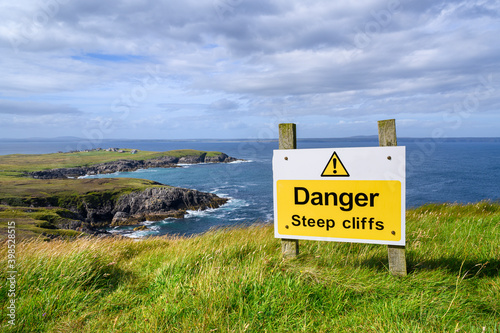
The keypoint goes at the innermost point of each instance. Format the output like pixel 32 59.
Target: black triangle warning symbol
pixel 335 168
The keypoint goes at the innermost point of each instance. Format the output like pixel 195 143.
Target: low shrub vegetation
pixel 235 280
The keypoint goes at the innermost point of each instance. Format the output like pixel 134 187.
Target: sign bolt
pixel 286 158
pixel 389 158
pixel 286 226
pixel 393 232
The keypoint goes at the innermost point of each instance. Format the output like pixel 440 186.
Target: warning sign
pixel 317 202
pixel 335 168
pixel 350 209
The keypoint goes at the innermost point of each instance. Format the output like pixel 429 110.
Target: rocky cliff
pixel 153 204
pixel 130 165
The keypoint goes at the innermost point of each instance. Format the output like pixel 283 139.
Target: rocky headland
pixel 92 213
pixel 123 165
pixel 53 201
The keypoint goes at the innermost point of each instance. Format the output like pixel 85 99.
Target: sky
pixel 222 69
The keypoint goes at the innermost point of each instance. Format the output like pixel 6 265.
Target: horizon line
pixel 375 136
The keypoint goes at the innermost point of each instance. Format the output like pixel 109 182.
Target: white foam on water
pixel 168 220
pixel 146 170
pixel 199 213
pixel 186 165
pixel 222 195
pixel 234 204
pixel 130 233
pixel 237 203
pixel 227 187
pixel 226 209
pixel 142 233
pixel 241 161
pixel 104 174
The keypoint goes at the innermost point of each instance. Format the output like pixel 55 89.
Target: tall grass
pixel 234 280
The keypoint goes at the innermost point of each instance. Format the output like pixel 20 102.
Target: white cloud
pixel 224 105
pixel 235 61
pixel 22 108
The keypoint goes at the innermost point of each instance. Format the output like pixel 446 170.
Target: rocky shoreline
pixel 129 165
pixel 153 204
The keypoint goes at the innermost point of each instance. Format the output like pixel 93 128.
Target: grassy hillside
pixel 235 280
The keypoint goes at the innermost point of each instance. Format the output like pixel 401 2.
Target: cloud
pixel 223 105
pixel 235 61
pixel 21 108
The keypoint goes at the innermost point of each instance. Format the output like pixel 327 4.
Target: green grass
pixel 234 280
pixel 41 188
pixel 34 222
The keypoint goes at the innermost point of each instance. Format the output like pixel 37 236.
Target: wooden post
pixel 397 256
pixel 288 140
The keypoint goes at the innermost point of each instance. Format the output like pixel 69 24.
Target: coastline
pixel 59 202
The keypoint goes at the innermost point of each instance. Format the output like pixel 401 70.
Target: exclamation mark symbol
pixel 335 168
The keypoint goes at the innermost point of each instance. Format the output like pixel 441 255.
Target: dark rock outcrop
pixel 130 165
pixel 92 213
pixel 158 203
pixel 161 162
pixel 192 159
pixel 222 158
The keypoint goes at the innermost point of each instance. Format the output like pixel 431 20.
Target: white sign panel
pixel 340 194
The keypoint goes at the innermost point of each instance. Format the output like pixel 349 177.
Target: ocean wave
pixel 187 165
pixel 222 195
pixel 100 175
pixel 155 230
pixel 234 204
pixel 200 213
pixel 236 219
pixel 233 188
pixel 240 161
pixel 146 170
pixel 141 234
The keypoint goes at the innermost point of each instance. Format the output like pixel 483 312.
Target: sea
pixel 459 170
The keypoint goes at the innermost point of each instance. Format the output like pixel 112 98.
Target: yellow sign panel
pixel 343 209
pixel 335 168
